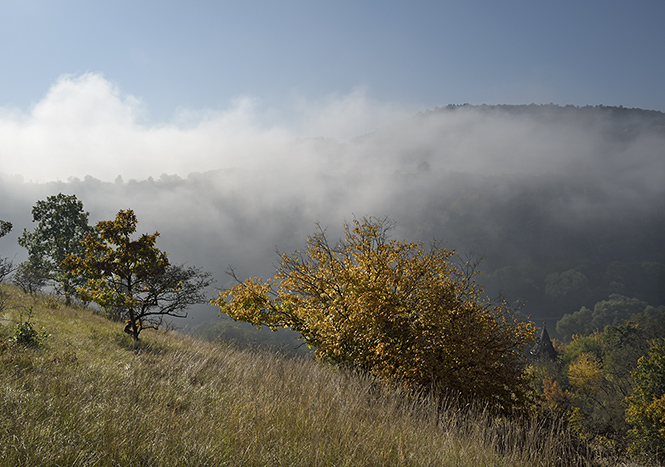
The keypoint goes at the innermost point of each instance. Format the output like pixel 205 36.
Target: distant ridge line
pixel 551 107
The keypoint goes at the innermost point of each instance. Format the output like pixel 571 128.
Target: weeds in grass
pixel 52 302
pixel 26 334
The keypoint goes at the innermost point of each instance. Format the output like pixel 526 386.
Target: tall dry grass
pixel 91 397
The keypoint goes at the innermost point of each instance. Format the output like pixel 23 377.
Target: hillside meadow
pixel 90 396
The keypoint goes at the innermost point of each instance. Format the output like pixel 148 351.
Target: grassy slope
pixel 90 397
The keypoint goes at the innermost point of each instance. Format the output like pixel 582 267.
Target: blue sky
pixel 142 88
pixel 421 54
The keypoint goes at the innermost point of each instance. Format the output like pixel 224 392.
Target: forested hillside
pixel 565 204
pixel 560 224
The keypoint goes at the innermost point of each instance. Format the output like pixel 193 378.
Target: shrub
pixel 27 335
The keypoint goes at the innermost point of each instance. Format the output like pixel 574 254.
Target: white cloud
pixel 85 125
pixel 346 116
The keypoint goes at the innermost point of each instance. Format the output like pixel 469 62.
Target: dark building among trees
pixel 543 347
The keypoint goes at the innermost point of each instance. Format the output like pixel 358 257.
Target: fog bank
pixel 226 188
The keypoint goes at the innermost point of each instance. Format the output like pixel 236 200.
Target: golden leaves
pixel 402 310
pixel 585 374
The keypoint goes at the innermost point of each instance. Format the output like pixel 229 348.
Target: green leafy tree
pixel 62 224
pixel 6 265
pixel 397 309
pixel 5 227
pixel 651 321
pixel 132 279
pixel 646 405
pixel 611 312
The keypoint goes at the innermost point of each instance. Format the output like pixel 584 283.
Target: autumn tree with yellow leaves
pixel 402 311
pixel 132 279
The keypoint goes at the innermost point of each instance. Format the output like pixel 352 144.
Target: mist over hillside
pixel 536 190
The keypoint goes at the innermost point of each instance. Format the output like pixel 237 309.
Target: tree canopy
pixel 610 312
pixel 133 279
pixel 62 224
pixel 646 405
pixel 5 227
pixel 401 310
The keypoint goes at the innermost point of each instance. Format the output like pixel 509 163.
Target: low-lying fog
pixel 228 187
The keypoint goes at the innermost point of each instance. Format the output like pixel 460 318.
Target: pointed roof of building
pixel 544 346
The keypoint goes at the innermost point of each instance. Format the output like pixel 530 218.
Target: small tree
pixel 30 278
pixel 62 224
pixel 132 279
pixel 397 309
pixel 6 265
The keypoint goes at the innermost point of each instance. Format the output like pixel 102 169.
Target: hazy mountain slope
pixel 537 190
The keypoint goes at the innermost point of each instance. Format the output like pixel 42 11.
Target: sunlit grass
pixel 91 396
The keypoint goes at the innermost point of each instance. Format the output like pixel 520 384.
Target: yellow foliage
pixel 585 374
pixel 401 310
pixel 119 268
pixel 646 405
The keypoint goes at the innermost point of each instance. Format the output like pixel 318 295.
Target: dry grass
pixel 92 397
